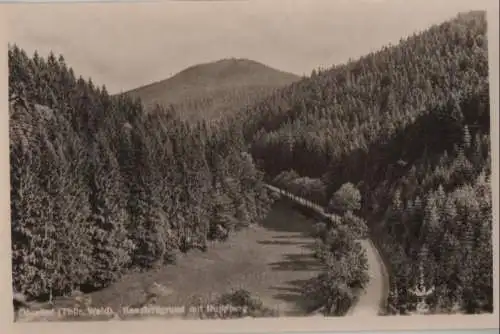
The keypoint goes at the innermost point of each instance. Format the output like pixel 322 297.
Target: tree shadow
pixel 283 243
pixel 297 262
pixel 293 293
pixel 284 237
pixel 282 218
pixel 291 289
pixel 296 234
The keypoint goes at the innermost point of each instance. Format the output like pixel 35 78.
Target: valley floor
pixel 270 261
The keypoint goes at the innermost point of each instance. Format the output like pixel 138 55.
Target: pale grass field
pixel 271 261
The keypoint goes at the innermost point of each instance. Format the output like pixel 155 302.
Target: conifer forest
pixel 392 147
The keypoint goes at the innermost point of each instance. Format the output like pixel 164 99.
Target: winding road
pixel 375 293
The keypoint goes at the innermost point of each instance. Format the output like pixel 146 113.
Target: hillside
pixel 102 191
pixel 105 196
pixel 408 127
pixel 99 187
pixel 207 91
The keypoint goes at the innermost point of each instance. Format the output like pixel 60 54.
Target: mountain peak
pixel 225 84
pixel 233 69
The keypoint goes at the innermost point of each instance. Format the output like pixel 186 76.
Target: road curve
pixel 375 293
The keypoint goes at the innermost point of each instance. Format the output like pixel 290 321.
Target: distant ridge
pixel 211 90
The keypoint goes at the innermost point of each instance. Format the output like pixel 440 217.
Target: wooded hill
pixel 409 127
pixel 98 186
pixel 213 90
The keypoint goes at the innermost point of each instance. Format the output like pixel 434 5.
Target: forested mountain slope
pixel 98 186
pixel 101 187
pixel 409 127
pixel 209 91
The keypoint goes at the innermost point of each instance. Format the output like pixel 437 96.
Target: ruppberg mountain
pixel 208 91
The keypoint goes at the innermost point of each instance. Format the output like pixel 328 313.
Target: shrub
pixel 347 198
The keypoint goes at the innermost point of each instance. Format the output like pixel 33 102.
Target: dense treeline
pixel 99 186
pixel 409 127
pixel 312 188
pixel 221 103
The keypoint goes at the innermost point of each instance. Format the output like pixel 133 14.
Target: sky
pixel 127 45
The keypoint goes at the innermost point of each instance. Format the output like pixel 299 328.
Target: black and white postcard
pixel 240 166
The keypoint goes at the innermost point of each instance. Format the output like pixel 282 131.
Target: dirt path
pixel 375 292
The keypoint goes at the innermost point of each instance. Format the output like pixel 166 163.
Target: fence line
pixel 304 202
